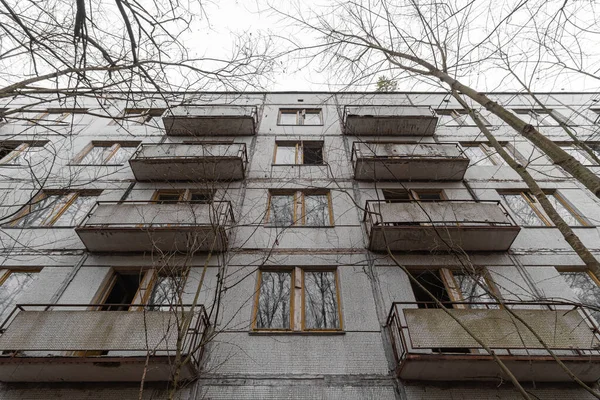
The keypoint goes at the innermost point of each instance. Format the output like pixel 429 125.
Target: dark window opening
pixel 168 198
pixel 393 195
pixel 201 197
pixel 313 155
pixel 434 284
pixel 123 291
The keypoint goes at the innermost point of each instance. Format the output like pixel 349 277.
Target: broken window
pixel 300 116
pixel 304 152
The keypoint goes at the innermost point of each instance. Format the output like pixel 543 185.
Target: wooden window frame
pixel 539 211
pixel 300 116
pixel 185 195
pixel 297 300
pixel 292 272
pixel 140 299
pixel 300 205
pixel 51 219
pixel 20 148
pixel 115 148
pixel 413 194
pixel 338 299
pixel 300 145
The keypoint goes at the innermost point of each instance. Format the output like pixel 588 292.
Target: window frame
pixel 297 300
pixel 299 153
pixel 114 146
pixel 185 195
pixel 300 116
pixel 54 216
pixel 413 194
pixel 5 274
pixel 539 211
pixel 299 202
pixel 18 150
pixel 493 155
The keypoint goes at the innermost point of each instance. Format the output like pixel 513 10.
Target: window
pixel 585 287
pixel 20 154
pixel 299 116
pixel 167 196
pixel 449 285
pixel 309 208
pixel 482 154
pixel 305 152
pixel 56 209
pixel 540 116
pixel 580 154
pixel 13 283
pixel 457 117
pixel 52 116
pixel 106 153
pixel 528 212
pixel 400 195
pixel 138 115
pixel 125 288
pixel 277 291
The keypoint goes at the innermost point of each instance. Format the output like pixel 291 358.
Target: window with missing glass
pixel 26 154
pixel 527 211
pixel 299 208
pixel 297 299
pixel 303 152
pixel 300 116
pixel 58 209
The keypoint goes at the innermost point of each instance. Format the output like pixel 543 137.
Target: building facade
pixel 291 245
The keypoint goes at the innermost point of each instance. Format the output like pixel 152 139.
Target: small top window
pixel 183 195
pixel 300 116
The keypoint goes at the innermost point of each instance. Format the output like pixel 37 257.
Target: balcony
pixel 150 226
pixel 190 162
pixel 71 343
pixel 430 345
pixel 439 226
pixel 211 120
pixel 381 161
pixel 380 120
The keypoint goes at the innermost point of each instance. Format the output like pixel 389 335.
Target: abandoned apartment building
pixel 259 246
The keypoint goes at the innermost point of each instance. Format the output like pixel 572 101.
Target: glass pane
pixel 122 155
pixel 565 214
pixel 316 208
pixel 320 301
pixel 40 212
pixel 473 288
pixel 312 117
pixel 274 301
pixel 165 292
pixel 585 289
pixel 282 210
pixel 96 155
pixel 286 154
pixel 288 118
pixel 522 211
pixel 75 213
pixel 477 156
pixel 27 156
pixel 15 284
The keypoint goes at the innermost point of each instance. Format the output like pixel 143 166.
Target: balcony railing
pixel 430 345
pixel 211 120
pixel 377 161
pixel 83 343
pixel 133 226
pixel 439 226
pixel 389 120
pixel 190 162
